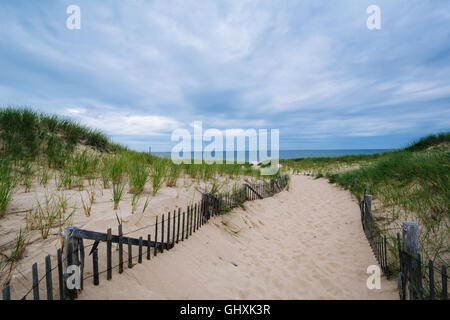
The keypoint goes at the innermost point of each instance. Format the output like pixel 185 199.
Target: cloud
pixel 310 68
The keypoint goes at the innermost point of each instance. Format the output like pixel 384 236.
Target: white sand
pixel 306 243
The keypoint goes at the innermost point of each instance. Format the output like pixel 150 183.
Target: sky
pixel 138 70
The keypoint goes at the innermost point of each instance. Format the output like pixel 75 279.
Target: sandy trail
pixel 305 243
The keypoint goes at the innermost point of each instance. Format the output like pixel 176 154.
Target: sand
pixel 305 243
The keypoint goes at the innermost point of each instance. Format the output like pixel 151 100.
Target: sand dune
pixel 305 243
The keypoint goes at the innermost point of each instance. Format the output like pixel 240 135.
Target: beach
pixel 304 243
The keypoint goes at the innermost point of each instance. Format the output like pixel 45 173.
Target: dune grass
pixel 409 184
pixel 7 185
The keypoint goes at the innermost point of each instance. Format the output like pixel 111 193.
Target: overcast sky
pixel 140 69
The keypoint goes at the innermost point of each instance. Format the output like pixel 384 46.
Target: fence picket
pixel 120 249
pixel 130 254
pixel 444 283
pixel 148 247
pixel 155 252
pixel 34 270
pixel 6 293
pixel 173 228
pixel 140 250
pixel 95 266
pixel 168 230
pixel 108 254
pixel 48 277
pixel 431 278
pixel 60 274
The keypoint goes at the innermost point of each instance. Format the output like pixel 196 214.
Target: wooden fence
pixel 416 281
pixel 169 230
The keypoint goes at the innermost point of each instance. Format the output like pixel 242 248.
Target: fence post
pixel 60 274
pixel 162 233
pixel 69 257
pixel 6 293
pixel 48 277
pixel 431 278
pixel 410 234
pixel 140 250
pixel 155 252
pixel 148 246
pixel 95 266
pixel 108 254
pixel 130 254
pixel 120 249
pixel 35 282
pixel 444 283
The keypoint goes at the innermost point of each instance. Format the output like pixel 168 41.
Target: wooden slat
pixel 60 275
pixel 6 293
pixel 156 236
pixel 162 233
pixel 187 222
pixel 168 228
pixel 81 247
pixel 191 218
pixel 173 228
pixel 48 277
pixel 431 279
pixel 182 229
pixel 34 270
pixel 120 249
pixel 95 266
pixel 108 254
pixel 148 247
pixel 130 254
pixel 178 225
pixel 444 283
pixel 140 250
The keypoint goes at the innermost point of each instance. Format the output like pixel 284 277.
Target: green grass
pixel 138 172
pixel 24 132
pixel 7 185
pixel 410 184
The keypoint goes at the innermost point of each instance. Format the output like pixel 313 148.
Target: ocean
pixel 290 154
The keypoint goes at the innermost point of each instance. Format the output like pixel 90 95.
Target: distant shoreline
pixel 291 154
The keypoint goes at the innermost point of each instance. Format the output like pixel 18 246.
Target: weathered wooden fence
pixel 416 281
pixel 70 268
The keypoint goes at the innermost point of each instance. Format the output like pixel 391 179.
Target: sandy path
pixel 307 243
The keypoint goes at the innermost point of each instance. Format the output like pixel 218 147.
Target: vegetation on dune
pixel 406 184
pixel 40 150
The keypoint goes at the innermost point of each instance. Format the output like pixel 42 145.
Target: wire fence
pixel 416 280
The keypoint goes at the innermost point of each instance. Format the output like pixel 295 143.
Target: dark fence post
pixel 35 281
pixel 444 283
pixel 48 277
pixel 81 247
pixel 178 225
pixel 95 266
pixel 173 228
pixel 431 278
pixel 168 230
pixel 411 248
pixel 148 246
pixel 108 254
pixel 155 251
pixel 140 250
pixel 6 293
pixel 120 249
pixel 182 229
pixel 60 274
pixel 187 221
pixel 130 254
pixel 162 233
